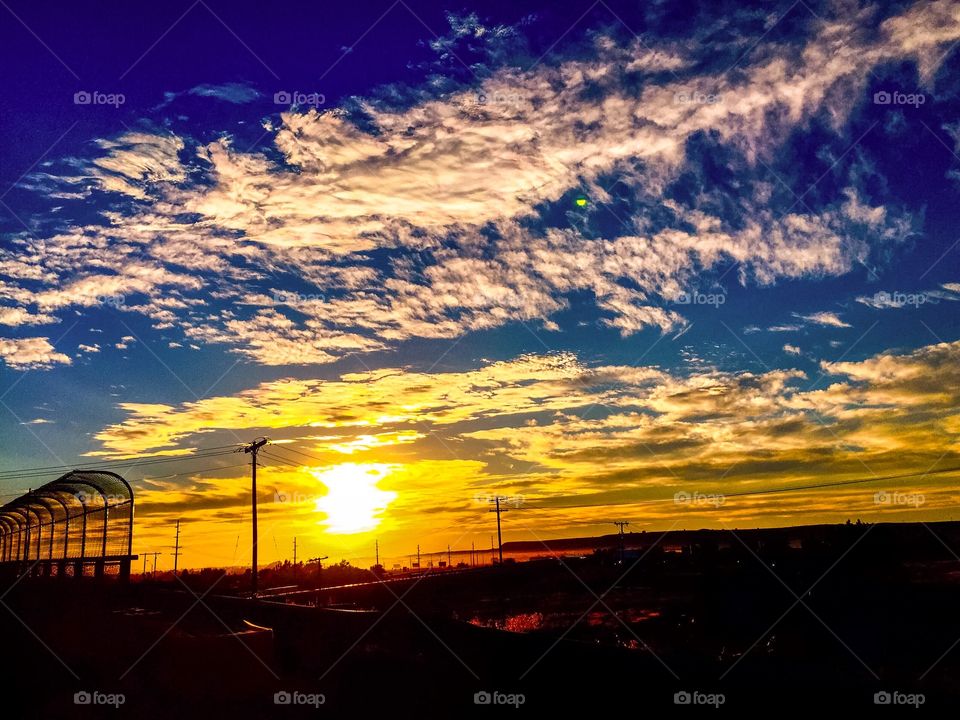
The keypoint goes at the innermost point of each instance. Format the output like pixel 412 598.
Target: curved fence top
pixel 82 514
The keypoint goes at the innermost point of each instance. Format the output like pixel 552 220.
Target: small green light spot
pixel 581 201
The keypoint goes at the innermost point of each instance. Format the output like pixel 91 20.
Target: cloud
pixel 555 430
pixel 452 212
pixel 16 316
pixel 30 353
pixel 792 349
pixel 824 318
pixel 784 328
pixel 236 93
pixel 355 401
pixel 131 165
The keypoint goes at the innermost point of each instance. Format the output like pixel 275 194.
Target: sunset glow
pixel 398 358
pixel 353 503
pixel 697 269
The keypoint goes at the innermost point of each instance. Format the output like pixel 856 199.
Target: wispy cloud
pixel 824 318
pixel 468 244
pixel 554 429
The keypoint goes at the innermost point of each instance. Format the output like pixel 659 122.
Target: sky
pixel 654 262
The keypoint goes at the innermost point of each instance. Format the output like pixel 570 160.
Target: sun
pixel 353 502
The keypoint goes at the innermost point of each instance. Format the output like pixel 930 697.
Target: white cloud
pixel 825 318
pixel 450 187
pixel 30 353
pixel 16 316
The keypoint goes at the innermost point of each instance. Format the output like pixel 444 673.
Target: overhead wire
pixel 123 462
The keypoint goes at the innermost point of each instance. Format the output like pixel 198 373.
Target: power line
pixel 299 452
pixel 745 493
pixel 278 459
pixel 201 471
pixel 192 472
pixel 748 493
pixel 109 464
pixel 132 457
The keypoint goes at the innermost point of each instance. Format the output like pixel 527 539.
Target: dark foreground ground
pixel 757 624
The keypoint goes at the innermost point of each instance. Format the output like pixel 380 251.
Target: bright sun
pixel 353 502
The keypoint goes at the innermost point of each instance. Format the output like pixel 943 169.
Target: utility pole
pixel 621 524
pixel 318 560
pixel 294 551
pixel 473 553
pixel 418 558
pixel 176 549
pixel 252 449
pixel 154 560
pixel 498 510
pixel 144 565
pixel 377 547
pixel 448 557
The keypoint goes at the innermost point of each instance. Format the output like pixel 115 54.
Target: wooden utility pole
pixel 621 524
pixel 253 448
pixel 499 510
pixel 176 549
pixel 318 560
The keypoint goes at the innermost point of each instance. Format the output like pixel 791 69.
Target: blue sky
pixel 610 249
